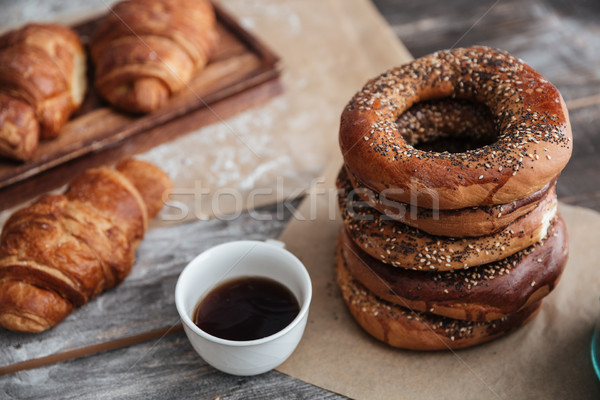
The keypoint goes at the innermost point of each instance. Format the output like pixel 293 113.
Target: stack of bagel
pixel 451 235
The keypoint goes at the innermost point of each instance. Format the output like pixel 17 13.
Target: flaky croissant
pixel 63 250
pixel 42 81
pixel 145 50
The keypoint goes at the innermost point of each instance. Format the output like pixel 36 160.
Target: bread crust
pixel 44 66
pixel 42 81
pixel 404 328
pixel 533 145
pixel 19 128
pixel 483 293
pixel 65 249
pixel 400 245
pixel 146 50
pixel 463 222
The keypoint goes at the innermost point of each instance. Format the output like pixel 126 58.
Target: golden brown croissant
pixel 42 81
pixel 145 50
pixel 63 250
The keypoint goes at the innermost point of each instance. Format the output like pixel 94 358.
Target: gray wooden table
pixel 560 38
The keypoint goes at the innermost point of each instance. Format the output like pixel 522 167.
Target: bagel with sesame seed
pixel 409 329
pixel 463 222
pixel 484 293
pixel 401 245
pixel 531 145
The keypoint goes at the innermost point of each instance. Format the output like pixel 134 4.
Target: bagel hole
pixel 447 125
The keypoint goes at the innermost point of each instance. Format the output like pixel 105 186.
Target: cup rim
pixel 241 343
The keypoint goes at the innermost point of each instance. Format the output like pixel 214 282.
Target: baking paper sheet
pixel 547 359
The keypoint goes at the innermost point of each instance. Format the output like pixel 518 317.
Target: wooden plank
pixel 163 369
pixel 565 51
pixel 429 25
pixel 241 63
pixel 85 351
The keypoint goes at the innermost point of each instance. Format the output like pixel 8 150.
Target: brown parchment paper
pixel 547 359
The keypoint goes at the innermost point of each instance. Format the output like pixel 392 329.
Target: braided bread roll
pixel 64 250
pixel 42 81
pixel 146 50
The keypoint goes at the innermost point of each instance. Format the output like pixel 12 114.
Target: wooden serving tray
pixel 243 72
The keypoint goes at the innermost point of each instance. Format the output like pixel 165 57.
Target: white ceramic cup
pixel 236 259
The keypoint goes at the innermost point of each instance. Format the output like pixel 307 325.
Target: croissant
pixel 65 249
pixel 42 81
pixel 146 50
